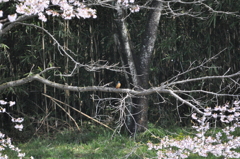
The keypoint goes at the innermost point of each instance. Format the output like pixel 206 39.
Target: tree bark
pixel 141 111
pixel 140 69
pixel 125 42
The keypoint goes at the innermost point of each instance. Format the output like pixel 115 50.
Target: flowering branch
pixel 202 144
pixel 5 142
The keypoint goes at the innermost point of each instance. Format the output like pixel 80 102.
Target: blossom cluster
pixel 66 9
pixel 222 143
pixel 125 2
pixel 133 8
pixel 5 142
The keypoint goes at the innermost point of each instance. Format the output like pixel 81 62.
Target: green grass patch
pixel 99 143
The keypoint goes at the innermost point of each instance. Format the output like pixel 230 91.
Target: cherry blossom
pixel 6 142
pixel 202 144
pixel 19 127
pixel 2 102
pixel 68 9
pixel 12 17
pixel 18 120
pixel 3 1
pixel 12 103
pixel 135 8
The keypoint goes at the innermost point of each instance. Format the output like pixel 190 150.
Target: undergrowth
pixel 99 143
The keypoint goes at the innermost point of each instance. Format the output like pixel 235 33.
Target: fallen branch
pixel 55 100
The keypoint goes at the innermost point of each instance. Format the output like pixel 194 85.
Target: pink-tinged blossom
pixel 208 109
pixel 42 17
pixel 232 128
pixel 195 127
pixel 150 145
pixel 79 4
pixel 1 25
pixel 215 115
pixel 33 7
pixel 199 135
pixel 236 114
pixel 19 127
pixel 226 105
pixel 123 2
pixel 23 9
pixel 12 17
pixel 85 13
pixel 1 13
pixel 236 103
pixel 207 113
pixel 230 137
pixel 222 118
pixel 69 9
pixel 226 130
pixel 18 120
pixel 65 6
pixel 53 13
pixel 55 2
pixel 194 116
pixel 217 108
pixel 12 103
pixel 2 102
pixel 209 139
pixel 135 8
pixel 2 135
pixel 230 117
pixel 231 110
pixel 42 5
pixel 224 108
pixel 218 135
pixel 202 119
pixel 3 1
pixel 21 155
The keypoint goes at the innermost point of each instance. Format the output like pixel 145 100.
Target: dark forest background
pixel 181 42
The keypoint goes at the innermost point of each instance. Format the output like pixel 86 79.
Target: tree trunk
pixel 140 69
pixel 141 112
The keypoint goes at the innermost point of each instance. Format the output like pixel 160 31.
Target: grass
pixel 98 143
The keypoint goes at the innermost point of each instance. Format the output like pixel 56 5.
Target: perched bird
pixel 118 85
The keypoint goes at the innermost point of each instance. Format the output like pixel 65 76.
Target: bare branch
pixel 185 101
pixel 55 100
pixel 194 68
pixel 206 92
pixel 203 78
pixel 9 25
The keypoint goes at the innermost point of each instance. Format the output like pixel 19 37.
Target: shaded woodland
pixel 182 42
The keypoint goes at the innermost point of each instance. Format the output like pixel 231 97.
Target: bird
pixel 118 85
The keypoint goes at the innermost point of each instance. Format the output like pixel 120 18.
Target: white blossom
pixel 18 120
pixel 12 17
pixel 2 102
pixel 19 127
pixel 11 103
